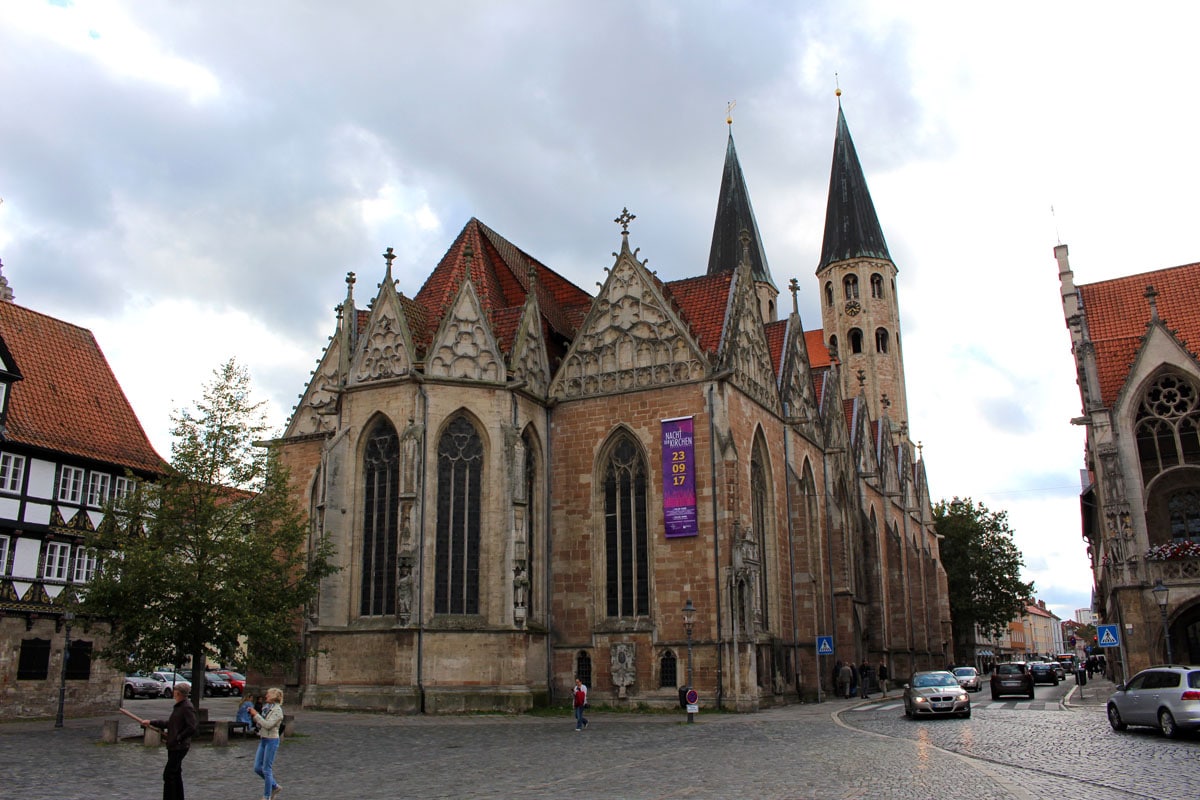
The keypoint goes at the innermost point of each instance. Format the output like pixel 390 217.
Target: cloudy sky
pixel 192 181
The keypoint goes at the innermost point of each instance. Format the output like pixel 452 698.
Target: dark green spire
pixel 851 226
pixel 734 215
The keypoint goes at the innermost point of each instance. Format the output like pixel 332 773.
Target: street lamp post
pixel 1160 591
pixel 62 680
pixel 689 617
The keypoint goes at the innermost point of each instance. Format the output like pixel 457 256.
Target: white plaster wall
pixel 41 478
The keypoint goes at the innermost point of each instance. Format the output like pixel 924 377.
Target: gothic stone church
pixel 524 483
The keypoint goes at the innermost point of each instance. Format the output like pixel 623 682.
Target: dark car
pixel 1165 697
pixel 1011 678
pixel 929 694
pixel 1043 672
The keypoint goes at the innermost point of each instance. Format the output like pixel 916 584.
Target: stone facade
pixel 487 459
pixel 1134 341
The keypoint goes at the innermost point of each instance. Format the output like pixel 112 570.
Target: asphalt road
pixel 840 749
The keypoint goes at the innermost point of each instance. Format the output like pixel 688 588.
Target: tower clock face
pixel 852 307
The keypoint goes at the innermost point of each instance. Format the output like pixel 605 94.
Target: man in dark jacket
pixel 180 728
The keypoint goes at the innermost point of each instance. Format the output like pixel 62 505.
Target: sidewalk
pixel 1094 695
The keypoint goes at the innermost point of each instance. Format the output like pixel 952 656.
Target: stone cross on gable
pixel 794 286
pixel 625 219
pixel 1151 295
pixel 885 401
pixel 862 378
pixel 389 257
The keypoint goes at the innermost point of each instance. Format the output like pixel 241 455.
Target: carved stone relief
pixel 530 363
pixel 383 352
pixel 624 670
pixel 465 347
pixel 633 342
pixel 318 407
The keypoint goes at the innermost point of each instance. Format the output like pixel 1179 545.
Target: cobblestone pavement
pixel 1060 743
pixel 828 750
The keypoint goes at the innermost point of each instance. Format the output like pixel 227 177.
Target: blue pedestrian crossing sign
pixel 1108 636
pixel 824 645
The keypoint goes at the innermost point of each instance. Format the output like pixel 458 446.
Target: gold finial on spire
pixel 729 112
pixel 837 92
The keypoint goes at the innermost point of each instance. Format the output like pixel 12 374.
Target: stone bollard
pixel 289 726
pixel 152 737
pixel 221 734
pixel 110 731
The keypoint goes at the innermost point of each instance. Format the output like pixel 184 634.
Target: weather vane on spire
pixel 729 112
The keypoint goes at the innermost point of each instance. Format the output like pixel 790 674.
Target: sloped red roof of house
pixel 818 353
pixel 69 401
pixel 1118 310
pixel 776 334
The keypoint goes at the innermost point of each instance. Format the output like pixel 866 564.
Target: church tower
pixel 860 312
pixel 734 215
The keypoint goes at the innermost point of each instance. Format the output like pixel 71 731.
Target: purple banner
pixel 679 477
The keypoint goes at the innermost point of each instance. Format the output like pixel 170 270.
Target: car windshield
pixel 212 676
pixel 935 679
pixel 965 672
pixel 1008 669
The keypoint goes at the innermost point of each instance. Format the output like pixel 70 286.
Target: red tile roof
pixel 818 353
pixel 1117 312
pixel 500 273
pixel 776 334
pixel 702 302
pixel 69 401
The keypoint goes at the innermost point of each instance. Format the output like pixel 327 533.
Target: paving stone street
pixel 841 749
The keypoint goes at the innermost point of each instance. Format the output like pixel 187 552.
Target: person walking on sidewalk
pixel 269 722
pixel 581 702
pixel 864 680
pixel 844 675
pixel 180 728
pixel 882 674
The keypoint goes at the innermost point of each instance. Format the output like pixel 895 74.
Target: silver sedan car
pixel 929 694
pixel 968 678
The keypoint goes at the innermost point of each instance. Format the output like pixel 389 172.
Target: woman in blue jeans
pixel 269 722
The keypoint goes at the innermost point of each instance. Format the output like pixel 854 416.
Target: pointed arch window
pixel 760 519
pixel 625 547
pixel 876 286
pixel 381 503
pixel 1184 508
pixel 856 340
pixel 583 668
pixel 881 340
pixel 460 482
pixel 668 670
pixel 829 293
pixel 531 509
pixel 833 343
pixel 850 287
pixel 1167 427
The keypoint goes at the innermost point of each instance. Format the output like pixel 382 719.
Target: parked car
pixel 932 693
pixel 1043 672
pixel 968 678
pixel 215 684
pixel 1166 697
pixel 236 679
pixel 141 686
pixel 1058 670
pixel 1011 678
pixel 168 680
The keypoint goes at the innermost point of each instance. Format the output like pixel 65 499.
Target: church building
pixel 669 483
pixel 1135 341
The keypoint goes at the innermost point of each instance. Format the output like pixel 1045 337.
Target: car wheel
pixel 1114 718
pixel 995 696
pixel 1166 722
pixel 966 714
pixel 128 692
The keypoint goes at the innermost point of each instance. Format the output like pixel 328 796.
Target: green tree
pixel 983 571
pixel 213 551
